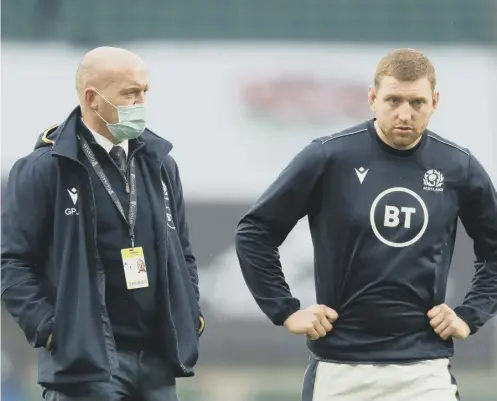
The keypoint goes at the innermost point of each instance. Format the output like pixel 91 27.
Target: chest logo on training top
pixel 433 181
pixel 399 217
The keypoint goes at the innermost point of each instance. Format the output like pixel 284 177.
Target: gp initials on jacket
pixel 399 217
pixel 70 211
pixel 73 195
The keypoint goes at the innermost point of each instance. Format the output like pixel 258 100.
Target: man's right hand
pixel 314 321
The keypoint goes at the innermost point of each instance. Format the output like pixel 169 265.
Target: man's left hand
pixel 447 324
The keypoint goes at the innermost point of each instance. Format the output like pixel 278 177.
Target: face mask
pixel 132 121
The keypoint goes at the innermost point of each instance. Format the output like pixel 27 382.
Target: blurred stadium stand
pixel 442 21
pixel 259 77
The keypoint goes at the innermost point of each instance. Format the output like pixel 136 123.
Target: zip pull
pixel 127 187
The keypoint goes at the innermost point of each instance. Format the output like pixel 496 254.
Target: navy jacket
pixel 52 278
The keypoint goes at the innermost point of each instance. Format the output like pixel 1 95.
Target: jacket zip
pixel 94 223
pixel 124 174
pixel 97 256
pixel 164 215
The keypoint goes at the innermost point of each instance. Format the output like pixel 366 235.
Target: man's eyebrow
pixel 133 88
pixel 398 95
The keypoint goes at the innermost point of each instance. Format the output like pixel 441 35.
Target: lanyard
pixel 131 220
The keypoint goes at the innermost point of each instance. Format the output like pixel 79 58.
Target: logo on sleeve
pixel 433 181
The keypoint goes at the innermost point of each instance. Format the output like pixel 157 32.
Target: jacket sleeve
pixel 184 235
pixel 479 217
pixel 26 223
pixel 267 224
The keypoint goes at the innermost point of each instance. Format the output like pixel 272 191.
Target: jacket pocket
pixel 78 350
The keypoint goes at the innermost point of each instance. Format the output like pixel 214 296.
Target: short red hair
pixel 405 65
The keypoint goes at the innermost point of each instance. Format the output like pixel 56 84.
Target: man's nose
pixel 405 112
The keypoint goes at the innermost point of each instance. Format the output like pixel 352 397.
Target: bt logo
pixel 396 215
pixel 392 216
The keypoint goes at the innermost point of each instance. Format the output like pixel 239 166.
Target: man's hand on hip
pixel 314 321
pixel 447 324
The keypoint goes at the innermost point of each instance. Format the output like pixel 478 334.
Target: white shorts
pixel 429 380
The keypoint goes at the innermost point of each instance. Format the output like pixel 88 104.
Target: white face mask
pixel 132 121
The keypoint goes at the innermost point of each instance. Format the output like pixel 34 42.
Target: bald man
pixel 97 266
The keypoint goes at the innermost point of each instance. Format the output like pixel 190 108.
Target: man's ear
pixel 90 98
pixel 372 98
pixel 436 99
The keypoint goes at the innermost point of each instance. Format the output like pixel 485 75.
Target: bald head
pixel 109 77
pixel 99 65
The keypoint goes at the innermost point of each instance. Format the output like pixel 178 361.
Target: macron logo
pixel 73 193
pixel 361 173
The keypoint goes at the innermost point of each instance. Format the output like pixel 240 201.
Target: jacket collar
pixel 64 141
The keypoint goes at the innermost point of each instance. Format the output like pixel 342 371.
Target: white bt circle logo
pixel 399 216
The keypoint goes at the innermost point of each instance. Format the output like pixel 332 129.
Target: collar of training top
pixel 391 150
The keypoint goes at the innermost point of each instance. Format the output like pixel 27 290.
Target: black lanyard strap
pixel 133 198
